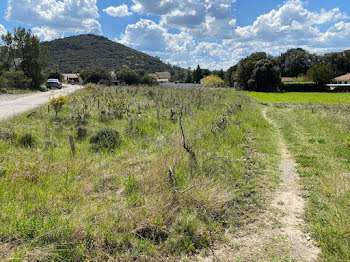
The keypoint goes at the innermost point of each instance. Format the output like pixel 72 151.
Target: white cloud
pixel 75 16
pixel 202 19
pixel 2 30
pixel 291 23
pixel 118 11
pixel 46 34
pixel 289 26
pixel 145 35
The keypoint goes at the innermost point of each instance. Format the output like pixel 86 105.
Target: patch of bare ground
pixel 279 233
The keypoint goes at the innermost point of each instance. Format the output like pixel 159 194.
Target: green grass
pixel 319 141
pixel 322 98
pixel 121 204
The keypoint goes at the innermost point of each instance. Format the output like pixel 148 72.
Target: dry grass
pixel 125 203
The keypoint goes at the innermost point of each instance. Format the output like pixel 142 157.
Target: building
pixel 161 77
pixel 287 79
pixel 341 83
pixel 72 78
pixel 344 79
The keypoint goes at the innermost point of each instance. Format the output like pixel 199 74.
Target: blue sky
pixel 213 33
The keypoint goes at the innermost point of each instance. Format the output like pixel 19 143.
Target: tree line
pixel 262 72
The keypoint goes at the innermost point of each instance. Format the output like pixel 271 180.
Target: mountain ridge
pixel 75 53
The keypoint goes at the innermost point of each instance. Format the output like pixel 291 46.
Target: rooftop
pixel 343 78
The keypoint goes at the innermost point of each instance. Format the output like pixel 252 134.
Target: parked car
pixel 53 83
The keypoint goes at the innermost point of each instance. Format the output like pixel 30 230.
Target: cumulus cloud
pixel 292 22
pixel 46 34
pixel 63 16
pixel 203 19
pixel 118 11
pixel 145 35
pixel 289 26
pixel 2 30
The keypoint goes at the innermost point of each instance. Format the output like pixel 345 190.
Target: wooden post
pixel 72 145
pixel 131 127
pixel 158 117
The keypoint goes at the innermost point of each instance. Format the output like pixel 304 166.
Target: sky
pixel 215 34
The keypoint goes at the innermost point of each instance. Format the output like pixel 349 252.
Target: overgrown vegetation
pixel 186 165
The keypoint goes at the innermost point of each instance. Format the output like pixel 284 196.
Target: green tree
pixel 213 81
pixel 54 73
pixel 147 80
pixel 339 62
pixel 197 74
pixel 128 76
pixel 22 51
pixel 321 74
pixel 14 80
pixel 96 75
pixel 230 76
pixel 266 76
pixel 296 62
pixel 246 67
pixel 189 77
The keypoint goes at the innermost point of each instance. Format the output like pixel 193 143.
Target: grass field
pixel 143 190
pixel 320 142
pixel 322 98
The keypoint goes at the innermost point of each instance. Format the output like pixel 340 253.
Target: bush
pixel 106 138
pixel 96 75
pixel 58 103
pixel 213 81
pixel 81 133
pixel 321 75
pixel 26 140
pixel 14 80
pixel 148 80
pixel 267 76
pixel 128 76
pixel 299 87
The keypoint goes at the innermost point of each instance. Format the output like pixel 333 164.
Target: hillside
pixel 78 52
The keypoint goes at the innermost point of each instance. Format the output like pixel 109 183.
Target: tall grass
pixel 145 199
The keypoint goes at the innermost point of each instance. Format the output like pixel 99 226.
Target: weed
pixel 26 140
pixel 106 138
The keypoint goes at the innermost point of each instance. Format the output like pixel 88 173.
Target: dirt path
pixel 278 234
pixel 11 105
pixel 292 205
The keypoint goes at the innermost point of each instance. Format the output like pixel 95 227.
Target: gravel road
pixel 11 105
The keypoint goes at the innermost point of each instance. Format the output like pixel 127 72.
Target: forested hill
pixel 78 52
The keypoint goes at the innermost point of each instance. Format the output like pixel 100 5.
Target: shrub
pixel 213 81
pixel 26 140
pixel 91 86
pixel 58 103
pixel 81 133
pixel 14 80
pixel 321 75
pixel 96 75
pixel 299 87
pixel 106 138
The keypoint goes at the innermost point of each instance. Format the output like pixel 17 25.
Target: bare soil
pixel 11 105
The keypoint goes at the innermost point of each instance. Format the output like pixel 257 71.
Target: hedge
pixel 301 87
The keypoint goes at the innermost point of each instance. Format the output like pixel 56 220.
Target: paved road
pixel 11 105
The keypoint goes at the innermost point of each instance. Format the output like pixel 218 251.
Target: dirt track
pixel 11 105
